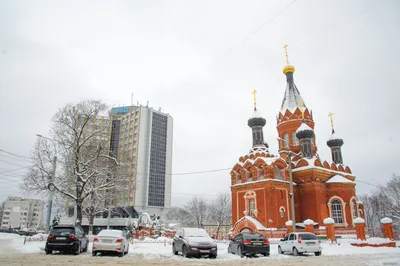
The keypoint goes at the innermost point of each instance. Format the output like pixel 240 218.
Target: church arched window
pixel 337 211
pixel 250 198
pixel 278 173
pixel 354 208
pixel 282 212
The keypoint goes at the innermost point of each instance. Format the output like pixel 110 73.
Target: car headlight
pixel 193 248
pixel 214 248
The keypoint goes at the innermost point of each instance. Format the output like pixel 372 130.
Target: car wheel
pixel 85 249
pixel 280 250
pixel 78 249
pixel 48 251
pixel 239 252
pixel 295 252
pixel 94 253
pixel 318 253
pixel 122 253
pixel 186 252
pixel 174 251
pixel 265 254
pixel 213 256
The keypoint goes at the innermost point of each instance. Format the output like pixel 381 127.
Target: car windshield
pixel 252 236
pixel 116 233
pixel 308 237
pixel 63 230
pixel 195 232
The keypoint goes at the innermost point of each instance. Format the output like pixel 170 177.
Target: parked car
pixel 27 232
pixel 300 243
pixel 9 230
pixel 194 242
pixel 249 244
pixel 111 241
pixel 67 238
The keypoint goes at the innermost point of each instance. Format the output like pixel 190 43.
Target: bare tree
pixel 86 170
pixel 220 211
pixel 390 199
pixel 197 209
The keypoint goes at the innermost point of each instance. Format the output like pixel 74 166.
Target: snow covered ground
pixel 13 245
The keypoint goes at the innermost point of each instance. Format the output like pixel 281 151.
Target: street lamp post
pixel 291 185
pixel 51 192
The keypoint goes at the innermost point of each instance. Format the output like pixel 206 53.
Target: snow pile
pixel 328 221
pixel 372 240
pixel 359 220
pixel 289 223
pixel 308 222
pixel 10 243
pixel 386 220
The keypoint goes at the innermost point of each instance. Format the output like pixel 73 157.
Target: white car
pixel 299 243
pixel 110 241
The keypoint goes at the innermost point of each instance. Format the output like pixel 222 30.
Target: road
pixel 86 259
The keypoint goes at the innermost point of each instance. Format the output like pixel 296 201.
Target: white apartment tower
pixel 141 139
pixel 21 213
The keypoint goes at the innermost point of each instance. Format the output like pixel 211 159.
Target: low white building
pixel 21 212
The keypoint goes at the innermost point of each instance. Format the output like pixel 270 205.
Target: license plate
pixel 107 241
pixel 204 251
pixel 257 244
pixel 310 243
pixel 61 238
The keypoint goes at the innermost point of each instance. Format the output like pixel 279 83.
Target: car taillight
pixel 299 239
pixel 319 241
pixel 119 240
pixel 72 237
pixel 246 242
pixel 266 242
pixel 95 239
pixel 50 237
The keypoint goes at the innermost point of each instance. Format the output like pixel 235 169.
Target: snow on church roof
pixel 333 136
pixel 339 179
pixel 304 127
pixel 256 114
pixel 258 225
pixel 292 99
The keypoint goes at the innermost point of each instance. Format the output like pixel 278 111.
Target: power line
pixel 16 155
pixel 11 163
pixel 16 169
pixel 259 28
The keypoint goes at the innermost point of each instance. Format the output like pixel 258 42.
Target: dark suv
pixel 194 242
pixel 67 238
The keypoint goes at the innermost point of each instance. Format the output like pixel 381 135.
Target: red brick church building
pixel 260 181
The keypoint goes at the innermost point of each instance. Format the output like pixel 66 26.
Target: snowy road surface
pixel 14 252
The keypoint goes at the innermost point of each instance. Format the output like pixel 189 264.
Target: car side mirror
pixel 180 236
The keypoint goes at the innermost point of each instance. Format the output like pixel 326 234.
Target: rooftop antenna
pixel 147 104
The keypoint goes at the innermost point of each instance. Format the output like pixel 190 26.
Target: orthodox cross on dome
pixel 330 115
pixel 286 53
pixel 255 98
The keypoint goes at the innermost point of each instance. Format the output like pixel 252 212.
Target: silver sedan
pixel 110 241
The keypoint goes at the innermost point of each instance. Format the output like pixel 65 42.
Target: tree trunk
pixel 91 222
pixel 79 213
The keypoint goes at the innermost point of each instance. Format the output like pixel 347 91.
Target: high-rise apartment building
pixel 20 212
pixel 141 140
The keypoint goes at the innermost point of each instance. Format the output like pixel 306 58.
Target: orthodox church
pixel 260 181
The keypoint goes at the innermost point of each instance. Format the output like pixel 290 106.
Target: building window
pixel 354 208
pixel 286 138
pixel 282 212
pixel 337 212
pixel 295 140
pixel 278 173
pixel 249 179
pixel 252 208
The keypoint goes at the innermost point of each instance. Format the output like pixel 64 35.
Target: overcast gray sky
pixel 199 61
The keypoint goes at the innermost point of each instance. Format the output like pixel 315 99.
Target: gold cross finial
pixel 255 98
pixel 287 56
pixel 330 115
pixel 301 103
